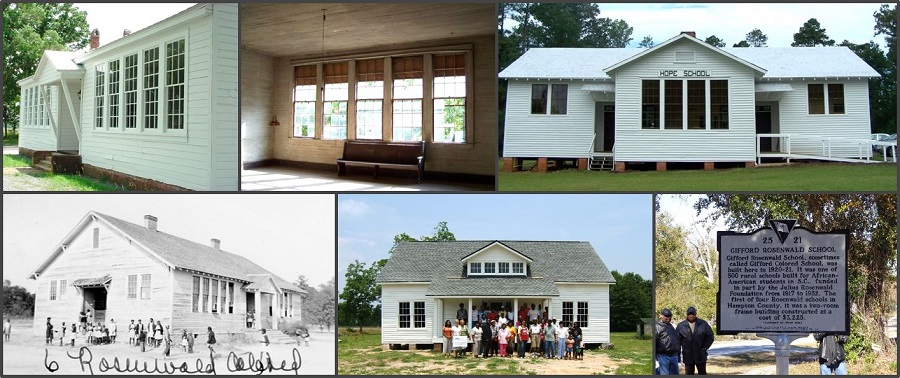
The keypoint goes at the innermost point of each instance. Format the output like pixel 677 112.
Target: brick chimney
pixel 150 222
pixel 95 39
pixel 215 243
pixel 690 33
pixel 126 32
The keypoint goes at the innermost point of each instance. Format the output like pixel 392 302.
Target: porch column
pixel 258 309
pixel 516 307
pixel 276 315
pixel 469 311
pixel 437 325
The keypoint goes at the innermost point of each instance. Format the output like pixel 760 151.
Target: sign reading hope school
pixel 783 279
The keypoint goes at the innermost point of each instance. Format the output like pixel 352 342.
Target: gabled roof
pixel 178 253
pixel 777 62
pixel 688 38
pixel 60 61
pixel 438 264
pixel 511 250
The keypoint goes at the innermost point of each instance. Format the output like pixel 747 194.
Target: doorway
pixel 767 123
pixel 95 300
pixel 604 127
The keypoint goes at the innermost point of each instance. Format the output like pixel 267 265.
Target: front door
pixel 95 300
pixel 609 127
pixel 265 318
pixel 764 126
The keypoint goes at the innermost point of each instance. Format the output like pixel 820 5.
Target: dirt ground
pixel 23 179
pixel 26 353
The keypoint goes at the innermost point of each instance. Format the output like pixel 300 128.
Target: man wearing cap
pixel 695 336
pixel 666 344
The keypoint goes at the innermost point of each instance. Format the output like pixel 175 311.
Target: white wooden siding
pixel 224 168
pixel 794 118
pixel 597 296
pixel 257 85
pixel 497 254
pixel 37 138
pixel 116 257
pixel 185 318
pixel 391 296
pixel 737 143
pixel 548 135
pixel 68 140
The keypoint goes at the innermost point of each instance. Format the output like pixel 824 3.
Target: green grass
pixel 16 161
pixel 795 177
pixel 77 183
pixel 11 139
pixel 630 348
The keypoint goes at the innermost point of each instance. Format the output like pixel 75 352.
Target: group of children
pixel 91 333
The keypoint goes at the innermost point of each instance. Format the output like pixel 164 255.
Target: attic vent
pixel 684 57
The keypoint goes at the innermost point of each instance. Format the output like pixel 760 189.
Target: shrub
pixel 290 327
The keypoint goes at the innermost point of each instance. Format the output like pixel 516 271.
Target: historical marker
pixel 783 279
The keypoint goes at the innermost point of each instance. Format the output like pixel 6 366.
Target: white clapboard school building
pixel 423 283
pixel 123 271
pixel 685 101
pixel 156 109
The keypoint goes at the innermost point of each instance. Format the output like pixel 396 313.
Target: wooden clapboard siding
pixel 257 86
pixel 794 117
pixel 391 296
pixel 116 257
pixel 597 296
pixel 185 318
pixel 548 135
pixel 224 169
pixel 68 140
pixel 34 137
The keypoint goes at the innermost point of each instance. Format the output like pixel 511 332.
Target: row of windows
pixel 817 94
pixel 497 268
pixel 33 112
pixel 576 312
pixel 684 104
pixel 414 318
pixel 54 292
pixel 133 288
pixel 217 296
pixel 552 101
pixel 287 305
pixel 120 85
pixel 449 98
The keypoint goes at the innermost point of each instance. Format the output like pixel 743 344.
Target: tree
pixel 886 24
pixel 360 292
pixel 681 280
pixel 741 44
pixel 811 34
pixel 630 298
pixel 882 90
pixel 647 42
pixel 756 38
pixel 715 41
pixel 321 305
pixel 17 301
pixel 28 30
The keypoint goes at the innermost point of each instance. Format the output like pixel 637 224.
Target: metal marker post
pixel 782 349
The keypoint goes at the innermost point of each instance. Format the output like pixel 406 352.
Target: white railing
pixel 827 145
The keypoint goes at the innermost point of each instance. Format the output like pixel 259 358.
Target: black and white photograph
pixel 168 284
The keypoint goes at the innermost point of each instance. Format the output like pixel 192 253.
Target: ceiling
pixel 295 29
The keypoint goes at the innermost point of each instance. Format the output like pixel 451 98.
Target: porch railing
pixel 797 146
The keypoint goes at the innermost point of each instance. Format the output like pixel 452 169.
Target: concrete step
pixel 43 165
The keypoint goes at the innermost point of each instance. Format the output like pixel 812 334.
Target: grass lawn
pixel 17 176
pixel 16 161
pixel 796 177
pixel 361 353
pixel 11 139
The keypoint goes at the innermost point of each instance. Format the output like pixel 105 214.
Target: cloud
pixel 353 208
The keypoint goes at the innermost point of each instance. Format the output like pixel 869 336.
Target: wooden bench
pixel 383 154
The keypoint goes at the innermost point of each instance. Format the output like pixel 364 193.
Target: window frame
pixel 148 289
pixel 132 286
pixel 336 79
pixel 450 100
pixel 472 268
pixel 303 85
pixel 53 284
pixel 827 106
pixel 404 317
pixel 196 284
pixel 548 105
pixel 367 69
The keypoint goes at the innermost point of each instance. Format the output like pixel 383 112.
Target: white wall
pixel 257 86
pixel 224 174
pixel 853 124
pixel 597 296
pixel 548 135
pixel 391 296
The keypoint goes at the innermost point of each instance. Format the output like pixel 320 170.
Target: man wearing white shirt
pixel 533 313
pixel 535 333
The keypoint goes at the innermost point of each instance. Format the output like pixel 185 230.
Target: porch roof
pixel 602 87
pixel 494 286
pixel 91 282
pixel 773 87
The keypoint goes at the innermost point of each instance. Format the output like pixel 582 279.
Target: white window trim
pixel 547 112
pixel 826 100
pixel 684 104
pixel 497 268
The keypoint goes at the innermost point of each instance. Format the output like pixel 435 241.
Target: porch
pixel 797 146
pixel 445 308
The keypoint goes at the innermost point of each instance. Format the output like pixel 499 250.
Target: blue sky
pixel 618 226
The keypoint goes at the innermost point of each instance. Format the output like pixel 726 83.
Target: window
pixel 131 87
pixel 145 286
pixel 577 314
pixel 835 98
pixel 816 97
pixel 504 268
pixel 450 98
pixel 559 97
pixel 539 99
pixel 718 102
pixel 96 237
pixel 114 94
pixel 223 296
pixel 685 57
pixel 195 294
pixel 132 286
pixel 489 268
pixel 335 100
pixel 369 98
pixel 475 268
pixel 650 104
pixel 582 315
pixel 404 315
pixel 696 104
pixel 408 93
pixel 518 268
pixel 206 294
pixel 305 102
pixel 230 296
pixel 99 87
pixel 175 85
pixel 53 290
pixel 62 289
pixel 568 312
pixel 151 88
pixel 674 96
pixel 419 315
pixel 215 296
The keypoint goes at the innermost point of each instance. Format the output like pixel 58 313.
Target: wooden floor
pixel 280 178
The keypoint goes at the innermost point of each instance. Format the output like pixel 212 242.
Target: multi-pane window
pixel 369 98
pixel 650 104
pixel 114 83
pixel 581 315
pixel 503 267
pixel 552 101
pixel 62 289
pixel 816 98
pixel 696 104
pixel 96 239
pixel 335 100
pixel 34 112
pixel 206 294
pixel 404 315
pixel 490 268
pixel 450 98
pixel 223 289
pixel 475 268
pixel 215 295
pixel 132 286
pixel 99 90
pixel 559 98
pixel 518 268
pixel 151 88
pixel 408 92
pixel 718 103
pixel 53 290
pixel 305 102
pixel 568 312
pixel 539 98
pixel 817 94
pixel 835 98
pixel 131 87
pixel 230 297
pixel 195 293
pixel 419 314
pixel 673 108
pixel 175 68
pixel 145 286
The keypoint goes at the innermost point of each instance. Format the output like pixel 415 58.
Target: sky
pixel 289 234
pixel 731 22
pixel 619 227
pixel 112 19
